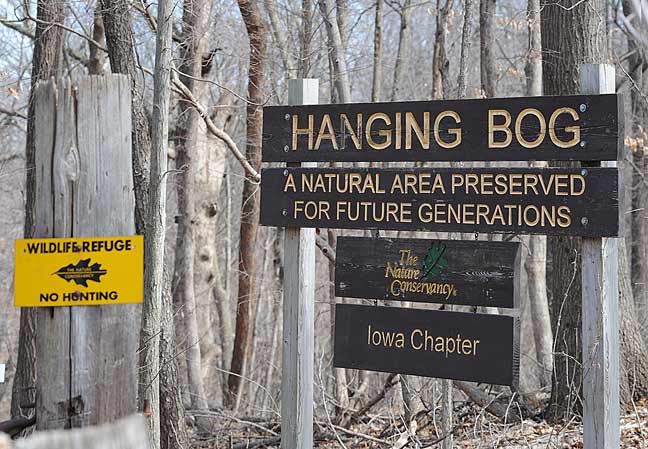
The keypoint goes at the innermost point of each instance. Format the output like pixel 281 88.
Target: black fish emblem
pixel 82 272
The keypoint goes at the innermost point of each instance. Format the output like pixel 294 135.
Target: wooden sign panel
pixel 79 271
pixel 474 273
pixel 581 127
pixel 552 201
pixel 450 345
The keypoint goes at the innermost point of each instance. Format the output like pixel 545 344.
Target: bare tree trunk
pixel 119 39
pixel 376 82
pixel 341 389
pixel 48 45
pixel 155 226
pixel 633 360
pixel 536 260
pixel 194 23
pixel 97 57
pixel 305 39
pixel 639 170
pixel 250 202
pixel 440 63
pixel 487 53
pixel 342 13
pixel 173 429
pixel 401 64
pixel 336 49
pixel 465 48
pixel 572 33
pixel 280 43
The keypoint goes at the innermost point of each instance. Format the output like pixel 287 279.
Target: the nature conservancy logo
pixel 82 272
pixel 434 261
pixel 411 275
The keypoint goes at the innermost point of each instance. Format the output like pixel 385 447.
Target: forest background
pixel 223 273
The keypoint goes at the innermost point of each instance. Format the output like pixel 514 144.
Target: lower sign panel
pixel 450 345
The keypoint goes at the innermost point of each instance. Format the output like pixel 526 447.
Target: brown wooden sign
pixel 576 127
pixel 450 345
pixel 552 201
pixel 475 273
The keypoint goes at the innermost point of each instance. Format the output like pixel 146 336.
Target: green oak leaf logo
pixel 82 272
pixel 434 261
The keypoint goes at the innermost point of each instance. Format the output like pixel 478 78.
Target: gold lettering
pixel 290 183
pixel 326 132
pixel 453 131
pixel 518 128
pixel 504 127
pixel 575 129
pixel 356 135
pixel 385 133
pixel 412 125
pixel 297 131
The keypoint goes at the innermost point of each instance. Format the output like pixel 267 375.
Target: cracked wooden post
pixel 600 303
pixel 87 361
pixel 298 313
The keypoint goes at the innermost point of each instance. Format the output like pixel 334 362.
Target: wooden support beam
pixel 298 313
pixel 600 277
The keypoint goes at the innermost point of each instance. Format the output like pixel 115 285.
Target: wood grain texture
pixel 456 272
pixel 361 342
pixel 86 355
pixel 600 302
pixel 592 213
pixel 298 316
pixel 600 119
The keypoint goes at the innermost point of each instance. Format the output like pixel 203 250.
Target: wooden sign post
pixel 298 313
pixel 600 315
pixel 548 201
pixel 86 356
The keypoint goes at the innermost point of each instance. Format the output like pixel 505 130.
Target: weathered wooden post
pixel 86 372
pixel 600 276
pixel 298 311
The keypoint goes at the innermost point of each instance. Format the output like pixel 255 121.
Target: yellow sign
pixel 79 271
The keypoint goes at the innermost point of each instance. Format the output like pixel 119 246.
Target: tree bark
pixel 96 56
pixel 573 33
pixel 306 34
pixel 536 261
pixel 336 49
pixel 250 201
pixel 401 64
pixel 173 430
pixel 487 53
pixel 466 39
pixel 194 23
pixel 440 63
pixel 376 81
pixel 119 40
pixel 48 47
pixel 639 170
pixel 155 225
pixel 633 360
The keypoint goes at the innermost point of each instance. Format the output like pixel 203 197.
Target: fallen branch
pixel 389 383
pixel 488 402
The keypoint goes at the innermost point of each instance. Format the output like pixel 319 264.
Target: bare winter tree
pixel 155 226
pixel 194 23
pixel 48 49
pixel 256 31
